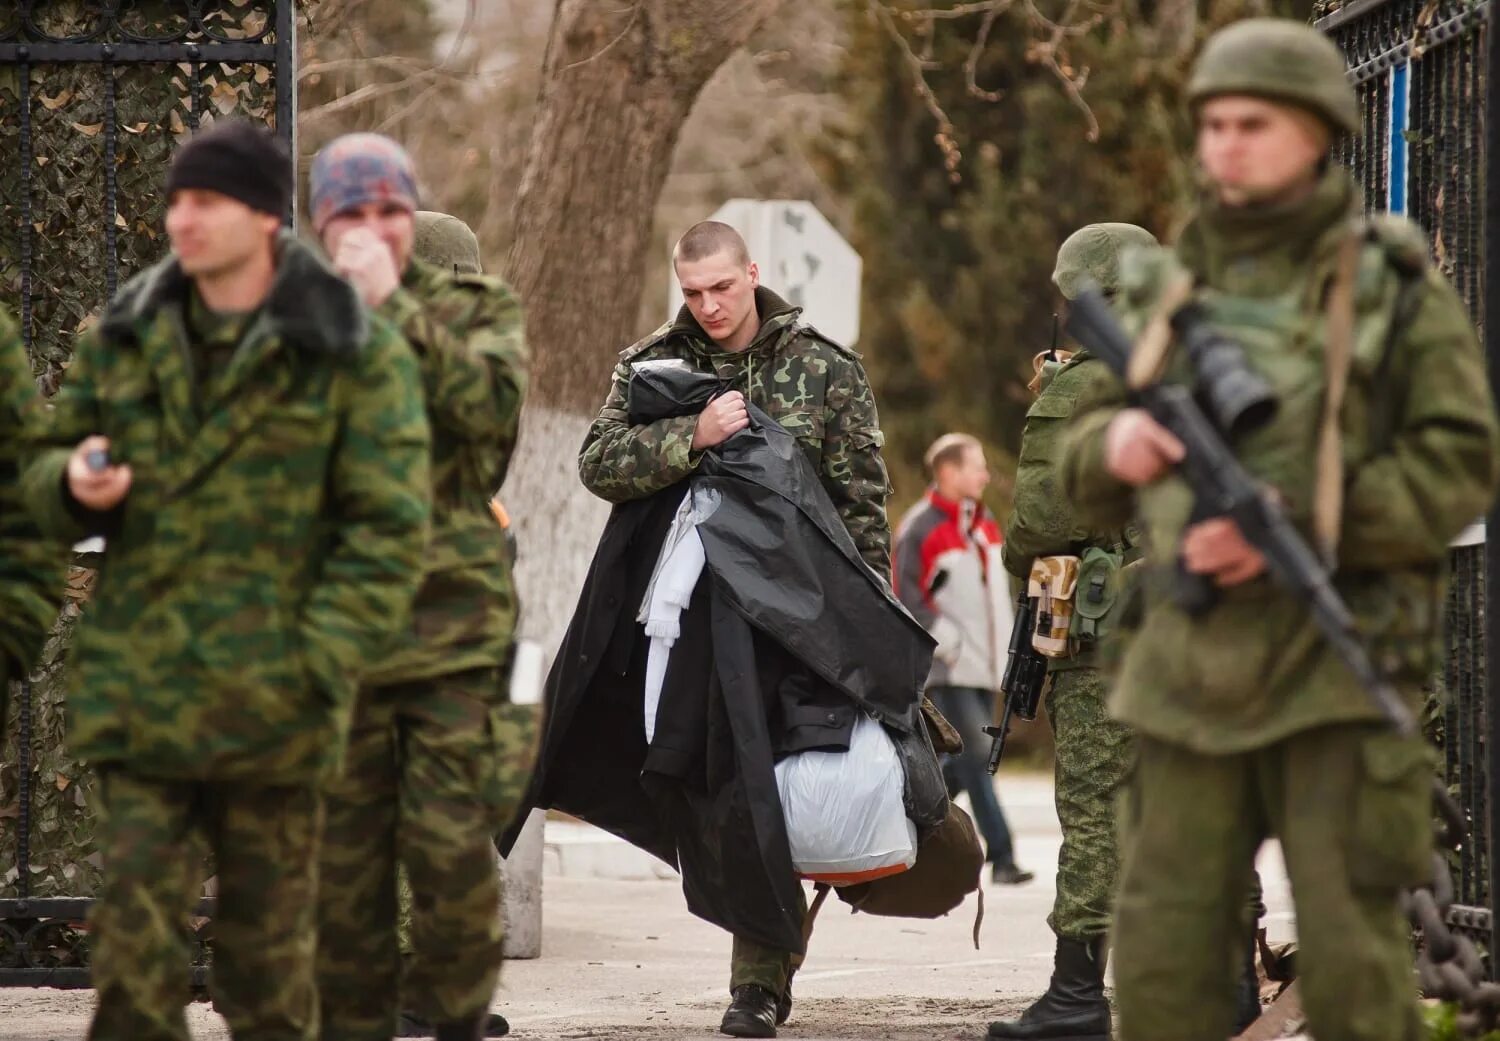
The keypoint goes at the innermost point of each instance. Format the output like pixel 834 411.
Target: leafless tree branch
pixel 1048 50
pixel 944 138
pixel 971 64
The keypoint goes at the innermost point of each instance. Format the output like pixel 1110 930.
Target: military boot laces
pixel 752 1013
pixel 1073 1009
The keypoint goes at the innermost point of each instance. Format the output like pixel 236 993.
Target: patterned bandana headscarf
pixel 356 169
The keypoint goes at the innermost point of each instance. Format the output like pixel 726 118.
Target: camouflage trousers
pixel 153 835
pixel 1350 804
pixel 421 786
pixel 768 967
pixel 1092 759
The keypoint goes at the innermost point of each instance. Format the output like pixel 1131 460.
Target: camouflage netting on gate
pixel 85 233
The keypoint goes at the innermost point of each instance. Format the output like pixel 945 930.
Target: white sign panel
pixel 801 258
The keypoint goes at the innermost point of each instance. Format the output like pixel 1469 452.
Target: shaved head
pixel 709 238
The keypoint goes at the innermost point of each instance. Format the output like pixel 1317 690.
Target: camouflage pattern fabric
pixel 264 554
pixel 1350 804
pixel 31 568
pixel 468 335
pixel 1248 726
pixel 439 758
pixel 64 849
pixel 426 788
pixel 766 967
pixel 1419 440
pixel 153 834
pixel 1093 757
pixel 31 591
pixel 1042 521
pixel 813 387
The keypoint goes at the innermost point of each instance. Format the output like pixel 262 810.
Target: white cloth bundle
pixel 845 815
pixel 678 568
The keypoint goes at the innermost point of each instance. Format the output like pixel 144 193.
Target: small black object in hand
pixel 97 460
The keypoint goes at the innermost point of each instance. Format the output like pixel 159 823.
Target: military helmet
pixel 446 242
pixel 1093 252
pixel 1279 59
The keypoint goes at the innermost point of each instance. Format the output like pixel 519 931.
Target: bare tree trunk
pixel 617 84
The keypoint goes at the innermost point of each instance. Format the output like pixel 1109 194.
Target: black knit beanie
pixel 237 159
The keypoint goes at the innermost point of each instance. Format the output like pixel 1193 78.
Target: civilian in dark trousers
pixel 949 574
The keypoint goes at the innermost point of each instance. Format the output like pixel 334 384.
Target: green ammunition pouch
pixel 1100 591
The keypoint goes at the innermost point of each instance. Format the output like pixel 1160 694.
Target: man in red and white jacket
pixel 949 575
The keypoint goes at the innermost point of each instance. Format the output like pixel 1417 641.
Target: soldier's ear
pixel 754 275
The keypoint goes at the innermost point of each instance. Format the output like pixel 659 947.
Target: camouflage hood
pixel 309 305
pixel 1280 236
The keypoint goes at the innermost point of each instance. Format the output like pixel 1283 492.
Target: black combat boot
pixel 413 1025
pixel 471 1029
pixel 752 1013
pixel 1247 993
pixel 1073 1009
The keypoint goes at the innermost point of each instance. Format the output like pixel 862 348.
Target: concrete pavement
pixel 622 958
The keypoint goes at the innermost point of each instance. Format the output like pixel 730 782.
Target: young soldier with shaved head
pixel 732 326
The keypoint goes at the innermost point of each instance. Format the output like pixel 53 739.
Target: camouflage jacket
pixel 812 386
pixel 1420 462
pixel 265 553
pixel 467 333
pixel 31 568
pixel 1042 521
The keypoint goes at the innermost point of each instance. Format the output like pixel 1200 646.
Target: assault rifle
pixel 1025 673
pixel 1223 487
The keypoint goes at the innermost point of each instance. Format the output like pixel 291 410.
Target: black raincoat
pixel 789 634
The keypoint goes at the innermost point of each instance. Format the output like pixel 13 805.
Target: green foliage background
pixel 957 295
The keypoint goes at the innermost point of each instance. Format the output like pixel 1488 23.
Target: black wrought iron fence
pixel 94 95
pixel 1420 69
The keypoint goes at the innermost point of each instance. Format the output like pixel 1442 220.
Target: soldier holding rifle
pixel 1344 388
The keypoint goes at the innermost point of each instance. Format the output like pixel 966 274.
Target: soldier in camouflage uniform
pixel 1092 750
pixel 732 326
pixel 437 756
pixel 31 568
pixel 264 500
pixel 1247 724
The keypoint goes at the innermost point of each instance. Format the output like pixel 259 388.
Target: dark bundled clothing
pixel 787 635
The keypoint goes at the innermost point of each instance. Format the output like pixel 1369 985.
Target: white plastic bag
pixel 845 819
